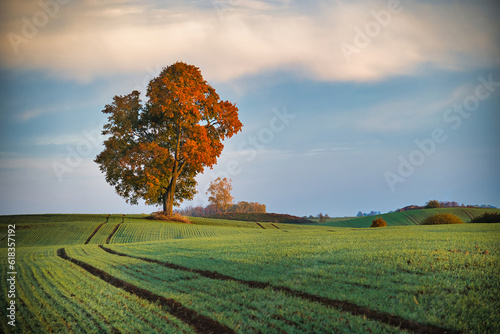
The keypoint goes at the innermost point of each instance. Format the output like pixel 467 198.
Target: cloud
pixel 406 113
pixel 30 114
pixel 16 161
pixel 232 39
pixel 73 140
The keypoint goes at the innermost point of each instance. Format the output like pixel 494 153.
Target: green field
pixel 100 274
pixel 412 217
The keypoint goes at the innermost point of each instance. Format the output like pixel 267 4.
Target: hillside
pixel 262 217
pixel 413 217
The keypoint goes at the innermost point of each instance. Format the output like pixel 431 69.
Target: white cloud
pixel 89 38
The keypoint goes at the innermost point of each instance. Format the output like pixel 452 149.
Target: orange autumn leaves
pixel 155 150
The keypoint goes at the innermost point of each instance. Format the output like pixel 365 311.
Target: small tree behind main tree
pixel 155 150
pixel 220 193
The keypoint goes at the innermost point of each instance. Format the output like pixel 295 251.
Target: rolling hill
pixel 413 217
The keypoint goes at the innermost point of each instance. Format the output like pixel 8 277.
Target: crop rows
pixel 354 309
pixel 47 234
pixel 202 324
pixel 113 230
pixel 229 302
pixel 442 275
pixel 57 296
pixel 133 231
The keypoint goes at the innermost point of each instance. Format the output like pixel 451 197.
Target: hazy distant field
pixel 94 273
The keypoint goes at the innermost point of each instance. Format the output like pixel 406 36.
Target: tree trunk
pixel 165 201
pixel 168 197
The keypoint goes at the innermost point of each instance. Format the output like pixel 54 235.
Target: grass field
pixel 111 274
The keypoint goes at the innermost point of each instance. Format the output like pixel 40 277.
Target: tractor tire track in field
pixel 113 232
pixel 141 274
pixel 412 219
pixel 260 225
pixel 95 231
pixel 386 318
pixel 468 214
pixel 201 323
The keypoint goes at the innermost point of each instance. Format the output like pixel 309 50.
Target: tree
pixel 433 204
pixel 442 218
pixel 155 150
pixel 220 193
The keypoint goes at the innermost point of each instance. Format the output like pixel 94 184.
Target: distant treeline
pixel 444 204
pixel 240 207
pixel 366 214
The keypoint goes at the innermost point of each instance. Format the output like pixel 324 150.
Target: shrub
pixel 379 222
pixel 432 204
pixel 442 218
pixel 173 218
pixel 487 218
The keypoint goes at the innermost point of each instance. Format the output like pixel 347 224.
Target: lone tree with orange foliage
pixel 155 150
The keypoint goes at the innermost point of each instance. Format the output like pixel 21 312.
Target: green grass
pixel 445 275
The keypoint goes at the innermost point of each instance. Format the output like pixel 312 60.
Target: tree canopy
pixel 154 150
pixel 220 193
pixel 432 204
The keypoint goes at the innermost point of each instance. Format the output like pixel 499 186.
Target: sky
pixel 346 106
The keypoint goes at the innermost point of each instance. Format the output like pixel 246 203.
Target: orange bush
pixel 379 222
